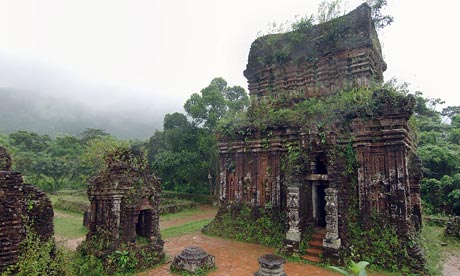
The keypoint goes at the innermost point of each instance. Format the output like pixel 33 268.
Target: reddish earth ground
pixel 236 258
pixel 452 264
pixel 232 258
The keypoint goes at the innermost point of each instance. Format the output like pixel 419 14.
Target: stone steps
pixel 311 258
pixel 315 249
pixel 315 252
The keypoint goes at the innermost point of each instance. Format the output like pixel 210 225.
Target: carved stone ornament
pixel 191 259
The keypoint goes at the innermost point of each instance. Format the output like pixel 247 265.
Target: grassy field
pixel 186 228
pixel 69 225
pixel 179 215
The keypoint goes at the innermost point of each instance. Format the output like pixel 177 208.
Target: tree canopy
pixel 214 102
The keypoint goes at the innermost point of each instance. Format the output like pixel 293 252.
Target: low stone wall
pixel 453 227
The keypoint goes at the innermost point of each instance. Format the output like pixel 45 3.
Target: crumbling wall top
pixel 351 31
pixel 5 160
pixel 124 169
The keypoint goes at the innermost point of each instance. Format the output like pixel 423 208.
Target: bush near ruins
pixel 265 226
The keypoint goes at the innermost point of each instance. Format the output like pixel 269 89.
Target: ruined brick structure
pixel 124 202
pixel 21 205
pixel 363 154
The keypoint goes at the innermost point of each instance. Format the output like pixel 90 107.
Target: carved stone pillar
pixel 293 234
pixel 223 185
pixel 277 194
pixel 332 240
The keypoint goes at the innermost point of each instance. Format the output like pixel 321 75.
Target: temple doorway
pixel 321 206
pixel 144 223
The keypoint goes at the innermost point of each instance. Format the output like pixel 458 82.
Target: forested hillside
pixel 51 114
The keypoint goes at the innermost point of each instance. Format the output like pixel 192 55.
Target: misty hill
pixel 23 109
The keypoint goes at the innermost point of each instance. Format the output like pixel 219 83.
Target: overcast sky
pixel 155 54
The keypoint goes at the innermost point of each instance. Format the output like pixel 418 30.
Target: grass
pixel 432 237
pixel 179 215
pixel 69 225
pixel 75 203
pixel 76 197
pixel 184 229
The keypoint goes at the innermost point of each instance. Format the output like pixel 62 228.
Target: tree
pixel 175 121
pixel 328 10
pixel 380 20
pixel 91 134
pixel 93 156
pixel 179 156
pixel 214 101
pixel 185 152
pixel 29 141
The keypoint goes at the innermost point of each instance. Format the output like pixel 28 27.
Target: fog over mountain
pixel 122 65
pixel 47 101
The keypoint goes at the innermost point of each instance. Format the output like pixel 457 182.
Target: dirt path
pixel 69 243
pixel 204 212
pixel 58 214
pixel 232 257
pixel 451 265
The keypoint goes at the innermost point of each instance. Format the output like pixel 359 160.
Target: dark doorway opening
pixel 144 224
pixel 321 166
pixel 321 206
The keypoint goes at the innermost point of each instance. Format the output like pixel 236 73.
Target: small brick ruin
pixel 124 201
pixel 254 161
pixel 22 207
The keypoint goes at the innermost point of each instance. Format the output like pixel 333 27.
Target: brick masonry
pixel 253 165
pixel 20 205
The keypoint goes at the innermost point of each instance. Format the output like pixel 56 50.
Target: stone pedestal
pixel 270 265
pixel 191 259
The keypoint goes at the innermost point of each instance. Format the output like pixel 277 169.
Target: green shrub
pixel 87 265
pixel 257 225
pixel 38 258
pixel 379 244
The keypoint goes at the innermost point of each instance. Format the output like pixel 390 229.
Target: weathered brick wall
pixel 20 205
pixel 317 61
pixel 39 210
pixel 12 230
pixel 251 170
pixel 384 148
